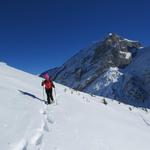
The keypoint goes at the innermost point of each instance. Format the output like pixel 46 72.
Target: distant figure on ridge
pixel 48 84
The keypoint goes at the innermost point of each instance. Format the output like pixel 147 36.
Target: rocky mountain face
pixel 113 68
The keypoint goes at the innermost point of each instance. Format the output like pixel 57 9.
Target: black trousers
pixel 49 95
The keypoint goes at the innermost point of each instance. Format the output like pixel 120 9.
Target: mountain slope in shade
pixel 115 67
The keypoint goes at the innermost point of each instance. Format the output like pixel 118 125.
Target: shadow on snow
pixel 30 95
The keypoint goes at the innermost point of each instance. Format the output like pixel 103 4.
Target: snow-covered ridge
pixel 2 63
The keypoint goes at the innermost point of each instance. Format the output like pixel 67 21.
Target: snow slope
pixel 79 121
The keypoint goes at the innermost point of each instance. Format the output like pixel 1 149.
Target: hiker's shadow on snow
pixel 31 95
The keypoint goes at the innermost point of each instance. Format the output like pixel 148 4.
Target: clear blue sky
pixel 36 35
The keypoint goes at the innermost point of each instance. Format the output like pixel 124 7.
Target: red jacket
pixel 48 84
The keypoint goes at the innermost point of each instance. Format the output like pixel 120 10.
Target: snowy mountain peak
pixel 114 38
pixel 88 71
pixel 116 49
pixel 110 34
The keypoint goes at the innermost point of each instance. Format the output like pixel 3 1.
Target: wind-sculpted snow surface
pixel 79 121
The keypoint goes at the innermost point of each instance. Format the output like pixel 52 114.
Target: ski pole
pixel 43 94
pixel 55 96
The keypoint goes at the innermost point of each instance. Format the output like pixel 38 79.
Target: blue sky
pixel 36 35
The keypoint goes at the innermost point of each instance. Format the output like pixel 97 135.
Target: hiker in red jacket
pixel 48 84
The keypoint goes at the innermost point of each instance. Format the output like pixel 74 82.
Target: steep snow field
pixel 78 122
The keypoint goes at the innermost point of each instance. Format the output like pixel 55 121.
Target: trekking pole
pixel 43 94
pixel 55 96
